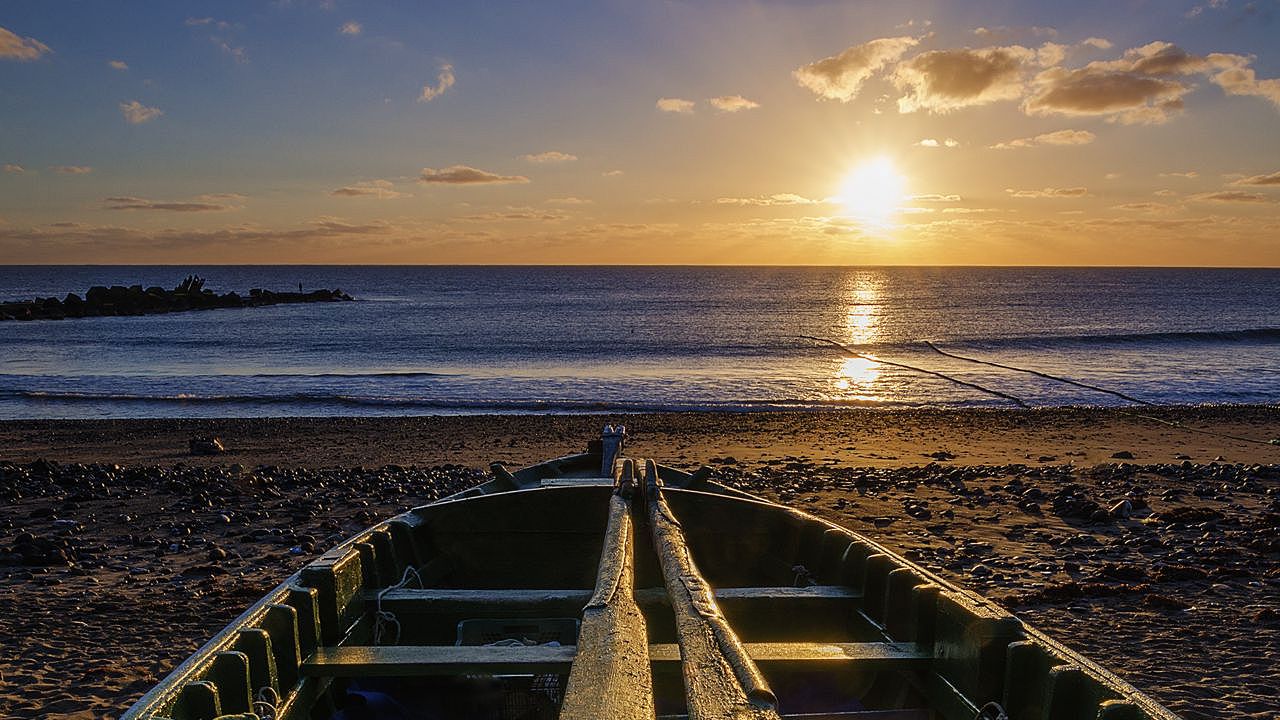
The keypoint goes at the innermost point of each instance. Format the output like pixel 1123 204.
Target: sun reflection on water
pixel 855 377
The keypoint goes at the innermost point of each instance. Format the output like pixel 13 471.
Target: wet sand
pixel 112 574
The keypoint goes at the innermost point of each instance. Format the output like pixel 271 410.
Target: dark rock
pixel 1122 455
pixel 207 446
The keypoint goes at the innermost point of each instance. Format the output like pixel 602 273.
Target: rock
pixel 207 446
pixel 216 554
pixel 1122 455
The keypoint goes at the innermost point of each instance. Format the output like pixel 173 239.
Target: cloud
pixel 1212 4
pixel 377 189
pixel 1232 196
pixel 943 80
pixel 351 27
pixel 13 47
pixel 1049 192
pixel 1057 137
pixel 932 143
pixel 1004 32
pixel 464 175
pixel 1149 207
pixel 118 65
pixel 137 113
pixel 841 76
pixel 71 169
pixel 569 201
pixel 1271 180
pixel 675 105
pixel 550 156
pixel 732 103
pixel 936 198
pixel 199 22
pixel 444 80
pixel 1243 81
pixel 612 173
pixel 1188 175
pixel 1096 42
pixel 202 204
pixel 1141 86
pixel 13 169
pixel 769 200
pixel 516 214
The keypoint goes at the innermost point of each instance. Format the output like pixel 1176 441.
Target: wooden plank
pixel 721 681
pixel 611 678
pixel 566 601
pixel 414 660
pixel 576 482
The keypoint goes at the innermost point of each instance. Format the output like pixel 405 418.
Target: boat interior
pixel 592 586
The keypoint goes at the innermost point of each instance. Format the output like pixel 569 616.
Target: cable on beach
pixel 1023 403
pixel 1047 376
pixel 1130 398
pixel 1014 399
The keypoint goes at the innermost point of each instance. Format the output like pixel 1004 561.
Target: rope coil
pixel 385 620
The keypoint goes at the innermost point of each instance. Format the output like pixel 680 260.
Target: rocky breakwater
pixel 188 295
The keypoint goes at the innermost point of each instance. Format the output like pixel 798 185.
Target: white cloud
pixel 444 80
pixel 466 175
pixel 376 189
pixel 1232 196
pixel 550 156
pixel 1049 192
pixel 841 76
pixel 934 143
pixel 71 169
pixel 205 203
pixel 769 200
pixel 118 65
pixel 569 201
pixel 351 27
pixel 13 47
pixel 13 169
pixel 732 103
pixel 137 113
pixel 675 105
pixel 943 80
pixel 1268 180
pixel 1057 137
pixel 612 173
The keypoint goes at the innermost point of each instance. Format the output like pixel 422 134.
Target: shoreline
pixel 865 436
pixel 143 552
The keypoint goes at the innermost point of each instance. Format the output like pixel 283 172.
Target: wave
pixel 1255 335
pixel 321 400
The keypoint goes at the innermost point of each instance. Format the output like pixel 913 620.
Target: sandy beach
pixel 1151 548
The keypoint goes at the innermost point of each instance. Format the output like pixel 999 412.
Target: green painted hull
pixel 839 626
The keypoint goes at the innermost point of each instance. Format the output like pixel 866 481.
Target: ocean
pixel 449 340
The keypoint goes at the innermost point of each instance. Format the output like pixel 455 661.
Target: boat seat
pixel 466 602
pixel 416 660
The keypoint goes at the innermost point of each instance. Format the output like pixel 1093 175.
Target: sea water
pixel 437 340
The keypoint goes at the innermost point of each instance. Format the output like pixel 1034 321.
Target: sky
pixel 1124 132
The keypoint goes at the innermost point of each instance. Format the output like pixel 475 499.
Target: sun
pixel 873 192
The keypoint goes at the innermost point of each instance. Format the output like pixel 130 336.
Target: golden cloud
pixel 466 175
pixel 841 76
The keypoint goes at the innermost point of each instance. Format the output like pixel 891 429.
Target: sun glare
pixel 873 192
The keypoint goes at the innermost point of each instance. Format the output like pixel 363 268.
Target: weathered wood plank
pixel 721 681
pixel 442 600
pixel 611 678
pixel 412 660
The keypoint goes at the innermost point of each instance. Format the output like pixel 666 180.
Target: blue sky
pixel 639 132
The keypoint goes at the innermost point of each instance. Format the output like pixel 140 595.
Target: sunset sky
pixel 787 132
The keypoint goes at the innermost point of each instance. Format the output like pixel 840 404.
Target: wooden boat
pixel 591 586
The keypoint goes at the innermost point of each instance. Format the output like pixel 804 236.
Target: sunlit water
pixel 478 340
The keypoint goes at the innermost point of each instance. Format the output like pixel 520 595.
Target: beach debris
pixel 207 446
